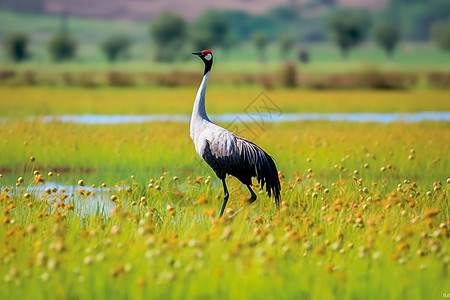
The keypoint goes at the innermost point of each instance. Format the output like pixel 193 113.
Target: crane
pixel 227 153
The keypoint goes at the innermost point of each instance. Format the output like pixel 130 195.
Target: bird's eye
pixel 208 56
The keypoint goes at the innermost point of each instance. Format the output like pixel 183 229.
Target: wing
pixel 220 152
pixel 227 153
pixel 265 169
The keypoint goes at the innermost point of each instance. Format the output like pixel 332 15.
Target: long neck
pixel 199 111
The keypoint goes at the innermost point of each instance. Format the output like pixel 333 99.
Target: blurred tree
pixel 314 33
pixel 303 56
pixel 16 46
pixel 169 34
pixel 62 47
pixel 387 35
pixel 286 44
pixel 199 40
pixel 263 23
pixel 441 35
pixel 288 75
pixel 274 23
pixel 240 26
pixel 260 41
pixel 284 14
pixel 209 30
pixel 349 28
pixel 114 46
pixel 416 17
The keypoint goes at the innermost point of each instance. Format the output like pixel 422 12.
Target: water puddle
pixel 84 200
pixel 254 117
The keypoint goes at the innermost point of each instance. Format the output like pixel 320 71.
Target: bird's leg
pixel 253 195
pixel 225 197
pixel 250 201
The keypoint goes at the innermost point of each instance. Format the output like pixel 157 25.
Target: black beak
pixel 197 53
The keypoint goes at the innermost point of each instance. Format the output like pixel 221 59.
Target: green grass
pixel 115 152
pixel 365 212
pixel 341 234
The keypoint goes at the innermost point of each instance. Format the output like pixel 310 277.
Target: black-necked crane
pixel 227 153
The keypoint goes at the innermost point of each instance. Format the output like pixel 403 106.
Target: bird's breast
pixel 199 137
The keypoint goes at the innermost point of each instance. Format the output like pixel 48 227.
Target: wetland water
pixel 269 117
pixel 96 202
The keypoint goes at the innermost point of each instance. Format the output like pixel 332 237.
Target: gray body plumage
pixel 231 154
pixel 227 153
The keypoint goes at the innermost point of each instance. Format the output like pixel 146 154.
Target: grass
pixel 39 101
pixel 346 231
pixel 365 211
pixel 118 151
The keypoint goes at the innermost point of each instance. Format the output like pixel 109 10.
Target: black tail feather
pixel 267 174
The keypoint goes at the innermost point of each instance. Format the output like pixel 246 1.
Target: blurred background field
pixel 317 37
pixel 47 101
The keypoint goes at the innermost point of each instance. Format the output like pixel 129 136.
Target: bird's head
pixel 207 57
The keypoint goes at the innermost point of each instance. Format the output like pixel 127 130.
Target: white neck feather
pixel 199 111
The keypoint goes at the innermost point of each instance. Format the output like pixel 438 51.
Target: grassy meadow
pixel 365 212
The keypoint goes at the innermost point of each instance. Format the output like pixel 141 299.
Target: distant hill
pixel 139 10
